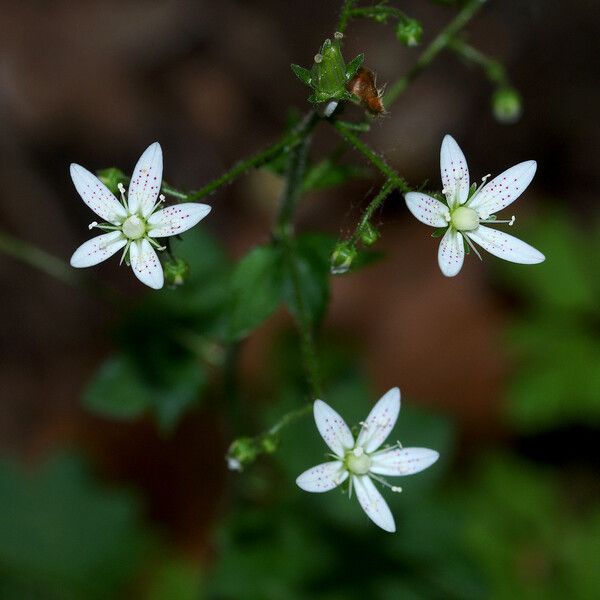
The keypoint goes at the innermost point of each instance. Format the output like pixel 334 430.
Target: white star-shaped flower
pixel 361 460
pixel 133 224
pixel 467 208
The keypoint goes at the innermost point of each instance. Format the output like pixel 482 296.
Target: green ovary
pixel 134 228
pixel 359 465
pixel 465 219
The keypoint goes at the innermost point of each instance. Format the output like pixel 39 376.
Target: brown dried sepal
pixel 363 86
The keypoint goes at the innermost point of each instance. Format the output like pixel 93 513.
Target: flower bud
pixel 368 234
pixel 506 104
pixel 242 451
pixel 409 32
pixel 342 258
pixel 176 271
pixel 111 178
pixel 269 443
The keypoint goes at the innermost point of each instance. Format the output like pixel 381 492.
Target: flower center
pixel 465 219
pixel 134 228
pixel 358 462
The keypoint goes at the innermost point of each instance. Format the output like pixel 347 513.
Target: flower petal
pixel 145 264
pixel 427 209
pixel 503 190
pixel 176 219
pixel 455 173
pixel 403 461
pixel 451 253
pixel 506 246
pixel 333 428
pixel 97 249
pixel 323 477
pixel 373 503
pixel 96 195
pixel 380 422
pixel 146 180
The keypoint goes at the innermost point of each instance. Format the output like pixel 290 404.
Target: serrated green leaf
pixel 353 66
pixel 255 290
pixel 304 75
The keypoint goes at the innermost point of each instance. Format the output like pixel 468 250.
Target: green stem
pixel 51 265
pixel 345 15
pixel 385 191
pixel 494 70
pixel 375 12
pixel 290 417
pixel 283 233
pixel 374 158
pixel 443 39
pixel 258 160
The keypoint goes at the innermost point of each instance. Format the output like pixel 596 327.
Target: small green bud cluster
pixel 342 257
pixel 409 32
pixel 176 271
pixel 329 74
pixel 506 105
pixel 245 450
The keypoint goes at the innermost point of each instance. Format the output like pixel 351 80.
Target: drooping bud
pixel 342 258
pixel 409 32
pixel 176 271
pixel 242 451
pixel 269 443
pixel 506 104
pixel 368 234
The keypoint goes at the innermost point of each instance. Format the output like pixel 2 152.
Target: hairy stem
pixel 385 191
pixel 345 15
pixel 375 159
pixel 290 417
pixel 443 39
pixel 283 233
pixel 493 70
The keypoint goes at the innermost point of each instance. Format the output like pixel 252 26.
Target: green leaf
pixel 176 580
pixel 312 252
pixel 123 390
pixel 304 75
pixel 327 174
pixel 255 290
pixel 353 66
pixel 64 536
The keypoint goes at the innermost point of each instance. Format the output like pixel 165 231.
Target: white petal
pixel 506 246
pixel 145 264
pixel 451 253
pixel 373 503
pixel 427 209
pixel 146 180
pixel 380 422
pixel 96 195
pixel 333 428
pixel 97 249
pixel 504 189
pixel 403 461
pixel 176 219
pixel 323 477
pixel 455 173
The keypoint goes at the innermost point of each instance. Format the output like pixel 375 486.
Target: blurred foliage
pixel 532 538
pixel 64 537
pixel 557 339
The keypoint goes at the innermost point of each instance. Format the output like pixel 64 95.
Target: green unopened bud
pixel 409 32
pixel 242 451
pixel 269 443
pixel 329 71
pixel 342 258
pixel 111 178
pixel 176 271
pixel 506 104
pixel 368 234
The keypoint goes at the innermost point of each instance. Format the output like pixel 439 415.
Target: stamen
pixel 485 178
pixel 387 484
pixel 350 489
pixel 121 189
pixel 92 225
pixel 125 250
pixel 510 221
pixel 473 247
pixel 358 451
pixel 447 216
pixel 396 488
pixel 156 244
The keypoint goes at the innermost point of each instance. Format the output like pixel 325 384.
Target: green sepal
pixel 304 75
pixel 467 247
pixel 439 232
pixel 353 66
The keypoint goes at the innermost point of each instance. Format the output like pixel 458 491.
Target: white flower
pixel 465 212
pixel 133 224
pixel 361 461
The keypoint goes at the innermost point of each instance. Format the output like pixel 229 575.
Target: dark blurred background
pixel 96 82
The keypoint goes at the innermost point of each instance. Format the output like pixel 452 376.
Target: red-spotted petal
pixel 98 249
pixel 176 219
pixel 323 477
pixel 146 181
pixel 373 503
pixel 145 264
pixel 455 173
